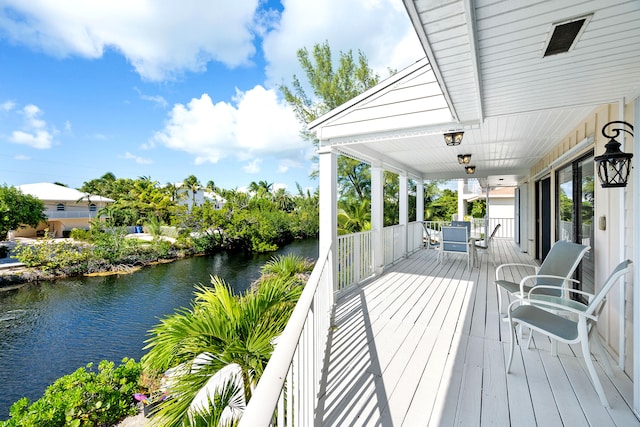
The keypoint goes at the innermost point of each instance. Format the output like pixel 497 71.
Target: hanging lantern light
pixel 453 138
pixel 614 165
pixel 470 170
pixel 464 159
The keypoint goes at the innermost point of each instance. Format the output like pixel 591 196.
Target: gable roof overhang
pixel 485 73
pixel 49 192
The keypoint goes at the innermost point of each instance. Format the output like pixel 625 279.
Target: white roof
pixel 47 191
pixel 485 59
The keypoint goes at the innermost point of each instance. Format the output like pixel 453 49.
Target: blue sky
pixel 168 89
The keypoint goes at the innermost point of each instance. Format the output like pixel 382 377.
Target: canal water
pixel 51 329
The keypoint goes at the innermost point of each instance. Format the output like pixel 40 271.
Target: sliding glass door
pixel 574 212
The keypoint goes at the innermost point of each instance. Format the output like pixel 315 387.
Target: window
pixel 92 207
pixel 60 207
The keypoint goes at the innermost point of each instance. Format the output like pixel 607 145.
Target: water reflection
pixel 51 329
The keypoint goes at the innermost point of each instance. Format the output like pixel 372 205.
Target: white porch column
pixel 419 200
pixel 404 211
pixel 328 187
pixel 635 182
pixel 461 200
pixel 377 217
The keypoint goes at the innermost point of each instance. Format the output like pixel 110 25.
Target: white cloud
pixel 35 133
pixel 279 185
pixel 157 99
pixel 285 164
pixel 21 157
pixel 379 28
pixel 252 167
pixel 7 105
pixel 255 126
pixel 41 140
pixel 160 39
pixel 139 160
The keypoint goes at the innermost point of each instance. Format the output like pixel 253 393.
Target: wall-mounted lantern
pixel 614 165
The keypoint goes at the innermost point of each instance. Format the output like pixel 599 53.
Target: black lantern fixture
pixel 464 159
pixel 470 170
pixel 453 138
pixel 614 165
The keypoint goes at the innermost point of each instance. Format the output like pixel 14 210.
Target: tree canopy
pixel 331 87
pixel 18 210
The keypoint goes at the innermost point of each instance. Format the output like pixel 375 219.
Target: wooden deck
pixel 423 345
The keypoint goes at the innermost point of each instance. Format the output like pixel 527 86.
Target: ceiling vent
pixel 564 35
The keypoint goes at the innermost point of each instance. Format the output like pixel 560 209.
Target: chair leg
pixel 603 357
pixel 586 353
pixel 511 345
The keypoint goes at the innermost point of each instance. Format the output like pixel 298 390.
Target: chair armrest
pixel 501 266
pixel 544 276
pixel 561 303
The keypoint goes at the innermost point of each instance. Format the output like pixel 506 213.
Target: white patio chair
pixel 558 266
pixel 551 316
pixel 430 238
pixel 485 245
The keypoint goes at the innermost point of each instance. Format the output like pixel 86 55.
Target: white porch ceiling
pixel 515 105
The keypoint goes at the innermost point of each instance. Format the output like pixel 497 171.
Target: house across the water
pixel 65 208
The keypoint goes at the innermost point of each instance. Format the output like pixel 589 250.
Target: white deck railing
pixel 288 390
pixel 355 259
pixel 393 243
pixel 69 213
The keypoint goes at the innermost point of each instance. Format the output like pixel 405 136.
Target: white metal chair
pixel 557 267
pixel 485 245
pixel 430 238
pixel 455 240
pixel 551 316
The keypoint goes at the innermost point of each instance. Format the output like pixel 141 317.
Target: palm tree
pixel 220 329
pixel 260 188
pixel 211 186
pixel 283 200
pixel 192 183
pixel 354 217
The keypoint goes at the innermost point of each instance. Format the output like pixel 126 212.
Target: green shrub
pixel 81 235
pixel 49 255
pixel 287 266
pixel 83 398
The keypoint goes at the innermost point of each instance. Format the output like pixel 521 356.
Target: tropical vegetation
pixel 260 220
pixel 18 210
pixel 219 331
pixel 85 397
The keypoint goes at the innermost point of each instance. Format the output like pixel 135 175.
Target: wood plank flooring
pixel 423 345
